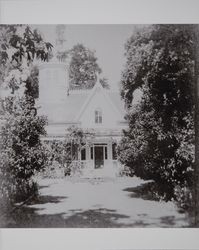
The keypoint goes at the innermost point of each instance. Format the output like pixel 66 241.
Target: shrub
pixel 22 153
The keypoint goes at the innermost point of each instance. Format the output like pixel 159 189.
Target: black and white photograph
pixel 99 126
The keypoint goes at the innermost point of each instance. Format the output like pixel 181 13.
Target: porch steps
pixel 106 172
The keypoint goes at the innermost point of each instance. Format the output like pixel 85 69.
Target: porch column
pixel 79 155
pixel 87 153
pixel 110 151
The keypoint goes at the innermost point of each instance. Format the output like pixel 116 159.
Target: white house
pixel 98 110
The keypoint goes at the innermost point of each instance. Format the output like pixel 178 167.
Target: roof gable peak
pixel 98 87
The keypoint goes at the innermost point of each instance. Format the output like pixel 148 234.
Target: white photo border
pixel 99 12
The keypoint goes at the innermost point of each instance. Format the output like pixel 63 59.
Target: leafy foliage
pixel 66 151
pixel 20 47
pixel 83 68
pixel 21 153
pixel 32 83
pixel 159 143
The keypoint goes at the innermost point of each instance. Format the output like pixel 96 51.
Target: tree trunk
pixel 196 170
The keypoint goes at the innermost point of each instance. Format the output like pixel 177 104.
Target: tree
pixel 21 151
pixel 83 68
pixel 159 143
pixel 20 47
pixel 32 83
pixel 196 173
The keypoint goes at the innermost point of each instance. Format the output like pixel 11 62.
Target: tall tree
pixel 196 172
pixel 160 61
pixel 21 151
pixel 84 68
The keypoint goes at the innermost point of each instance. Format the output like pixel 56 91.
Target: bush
pixel 22 153
pixel 166 157
pixel 63 155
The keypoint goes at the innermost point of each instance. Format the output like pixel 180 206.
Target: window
pixel 98 116
pixel 91 153
pixel 114 150
pixel 83 154
pixel 106 155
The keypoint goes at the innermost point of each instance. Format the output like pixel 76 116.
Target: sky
pixel 106 40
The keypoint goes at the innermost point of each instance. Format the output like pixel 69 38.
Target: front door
pixel 99 156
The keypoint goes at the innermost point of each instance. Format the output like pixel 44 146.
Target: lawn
pixel 96 202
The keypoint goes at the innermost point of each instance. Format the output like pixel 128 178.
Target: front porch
pixel 99 158
pixel 92 153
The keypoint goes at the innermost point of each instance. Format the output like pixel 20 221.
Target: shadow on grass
pixel 149 191
pixel 168 220
pixel 43 199
pixel 43 186
pixel 145 191
pixel 24 216
pixel 27 217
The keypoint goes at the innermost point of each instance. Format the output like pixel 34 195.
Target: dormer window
pixel 98 116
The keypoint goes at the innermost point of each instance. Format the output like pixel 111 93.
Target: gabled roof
pixel 77 101
pixel 98 86
pixel 117 100
pixel 73 103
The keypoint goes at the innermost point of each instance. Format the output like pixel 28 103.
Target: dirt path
pixel 77 202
